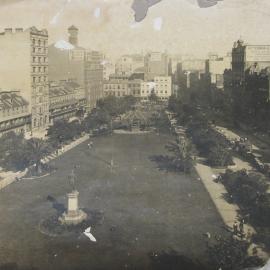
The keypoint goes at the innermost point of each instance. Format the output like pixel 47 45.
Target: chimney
pixel 19 30
pixel 8 30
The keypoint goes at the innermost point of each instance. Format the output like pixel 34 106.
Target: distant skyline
pixel 178 26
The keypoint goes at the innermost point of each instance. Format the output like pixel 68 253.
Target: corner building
pixel 24 67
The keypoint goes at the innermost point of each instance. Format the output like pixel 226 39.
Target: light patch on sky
pixel 97 12
pixel 157 24
pixel 63 45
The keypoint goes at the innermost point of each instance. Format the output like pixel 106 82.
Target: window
pixel 34 79
pixel 34 59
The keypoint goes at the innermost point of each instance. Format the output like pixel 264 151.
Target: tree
pixel 183 154
pixel 36 150
pixel 12 155
pixel 96 118
pixel 62 131
pixel 231 253
pixel 220 156
pixel 153 97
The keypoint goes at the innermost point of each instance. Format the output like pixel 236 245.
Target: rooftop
pixel 11 100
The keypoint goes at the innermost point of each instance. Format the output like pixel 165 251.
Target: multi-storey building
pixel 14 112
pixel 68 61
pixel 248 57
pixel 215 67
pixel 124 65
pixel 120 88
pixel 108 69
pixel 161 86
pixel 65 100
pixel 117 88
pixel 24 66
pixel 134 87
pixel 194 65
pixel 156 64
pixel 93 78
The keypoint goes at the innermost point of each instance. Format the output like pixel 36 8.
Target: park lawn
pixel 136 209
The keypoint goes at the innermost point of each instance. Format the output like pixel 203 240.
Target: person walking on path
pixel 235 228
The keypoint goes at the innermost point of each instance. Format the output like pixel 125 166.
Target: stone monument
pixel 73 215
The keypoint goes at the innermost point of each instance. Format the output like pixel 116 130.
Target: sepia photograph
pixel 134 135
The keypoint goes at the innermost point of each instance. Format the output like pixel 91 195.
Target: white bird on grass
pixel 90 235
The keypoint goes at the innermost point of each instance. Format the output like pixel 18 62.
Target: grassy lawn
pixel 136 209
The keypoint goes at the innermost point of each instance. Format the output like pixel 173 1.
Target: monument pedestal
pixel 74 215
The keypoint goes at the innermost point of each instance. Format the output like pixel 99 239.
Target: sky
pixel 178 26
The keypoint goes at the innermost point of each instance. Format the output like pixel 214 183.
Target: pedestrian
pixel 241 226
pixel 235 228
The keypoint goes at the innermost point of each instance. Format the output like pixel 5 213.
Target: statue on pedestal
pixel 74 215
pixel 72 178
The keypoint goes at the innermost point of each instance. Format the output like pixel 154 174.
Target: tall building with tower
pixel 248 57
pixel 24 67
pixel 69 61
pixel 73 35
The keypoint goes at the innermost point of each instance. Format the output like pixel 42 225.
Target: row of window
pixel 39 50
pixel 115 86
pixel 13 122
pixel 136 92
pixel 39 59
pixel 41 109
pixel 40 69
pixel 156 92
pixel 39 42
pixel 39 79
pixel 37 122
pixel 13 111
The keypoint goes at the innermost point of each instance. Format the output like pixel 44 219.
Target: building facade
pixel 14 112
pixel 66 100
pixel 117 88
pixel 24 66
pixel 215 67
pixel 93 78
pixel 156 64
pixel 245 57
pixel 124 65
pixel 161 86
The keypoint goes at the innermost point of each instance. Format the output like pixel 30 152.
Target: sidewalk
pixel 217 191
pixel 227 211
pixel 7 178
pixel 66 148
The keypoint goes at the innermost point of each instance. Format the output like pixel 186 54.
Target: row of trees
pixel 250 192
pixel 17 153
pixel 210 143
